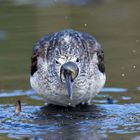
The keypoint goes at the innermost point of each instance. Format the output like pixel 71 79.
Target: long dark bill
pixel 69 72
pixel 69 85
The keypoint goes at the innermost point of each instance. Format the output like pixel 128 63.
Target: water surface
pixel 116 110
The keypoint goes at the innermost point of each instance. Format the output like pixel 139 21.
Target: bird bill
pixel 69 85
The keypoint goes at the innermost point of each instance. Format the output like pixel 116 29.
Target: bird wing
pixel 93 47
pixel 40 50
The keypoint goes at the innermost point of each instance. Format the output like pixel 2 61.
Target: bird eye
pixel 56 62
pixel 77 60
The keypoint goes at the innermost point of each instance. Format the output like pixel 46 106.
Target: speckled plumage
pixel 55 49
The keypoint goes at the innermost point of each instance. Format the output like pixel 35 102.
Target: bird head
pixel 68 61
pixel 67 67
pixel 68 72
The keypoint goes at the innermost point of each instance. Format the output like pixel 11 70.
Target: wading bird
pixel 67 68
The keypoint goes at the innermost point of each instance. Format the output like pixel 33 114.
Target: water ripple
pixel 111 89
pixel 55 123
pixel 32 92
pixel 104 118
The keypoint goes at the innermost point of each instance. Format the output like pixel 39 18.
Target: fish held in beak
pixel 69 71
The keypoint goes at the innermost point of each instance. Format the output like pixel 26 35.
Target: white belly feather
pixel 82 94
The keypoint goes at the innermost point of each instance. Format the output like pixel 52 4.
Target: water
pixel 116 110
pixel 102 120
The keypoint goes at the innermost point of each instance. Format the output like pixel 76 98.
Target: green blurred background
pixel 115 24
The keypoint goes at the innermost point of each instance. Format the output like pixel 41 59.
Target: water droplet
pixel 133 51
pixel 134 66
pixel 137 41
pixel 85 25
pixel 123 74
